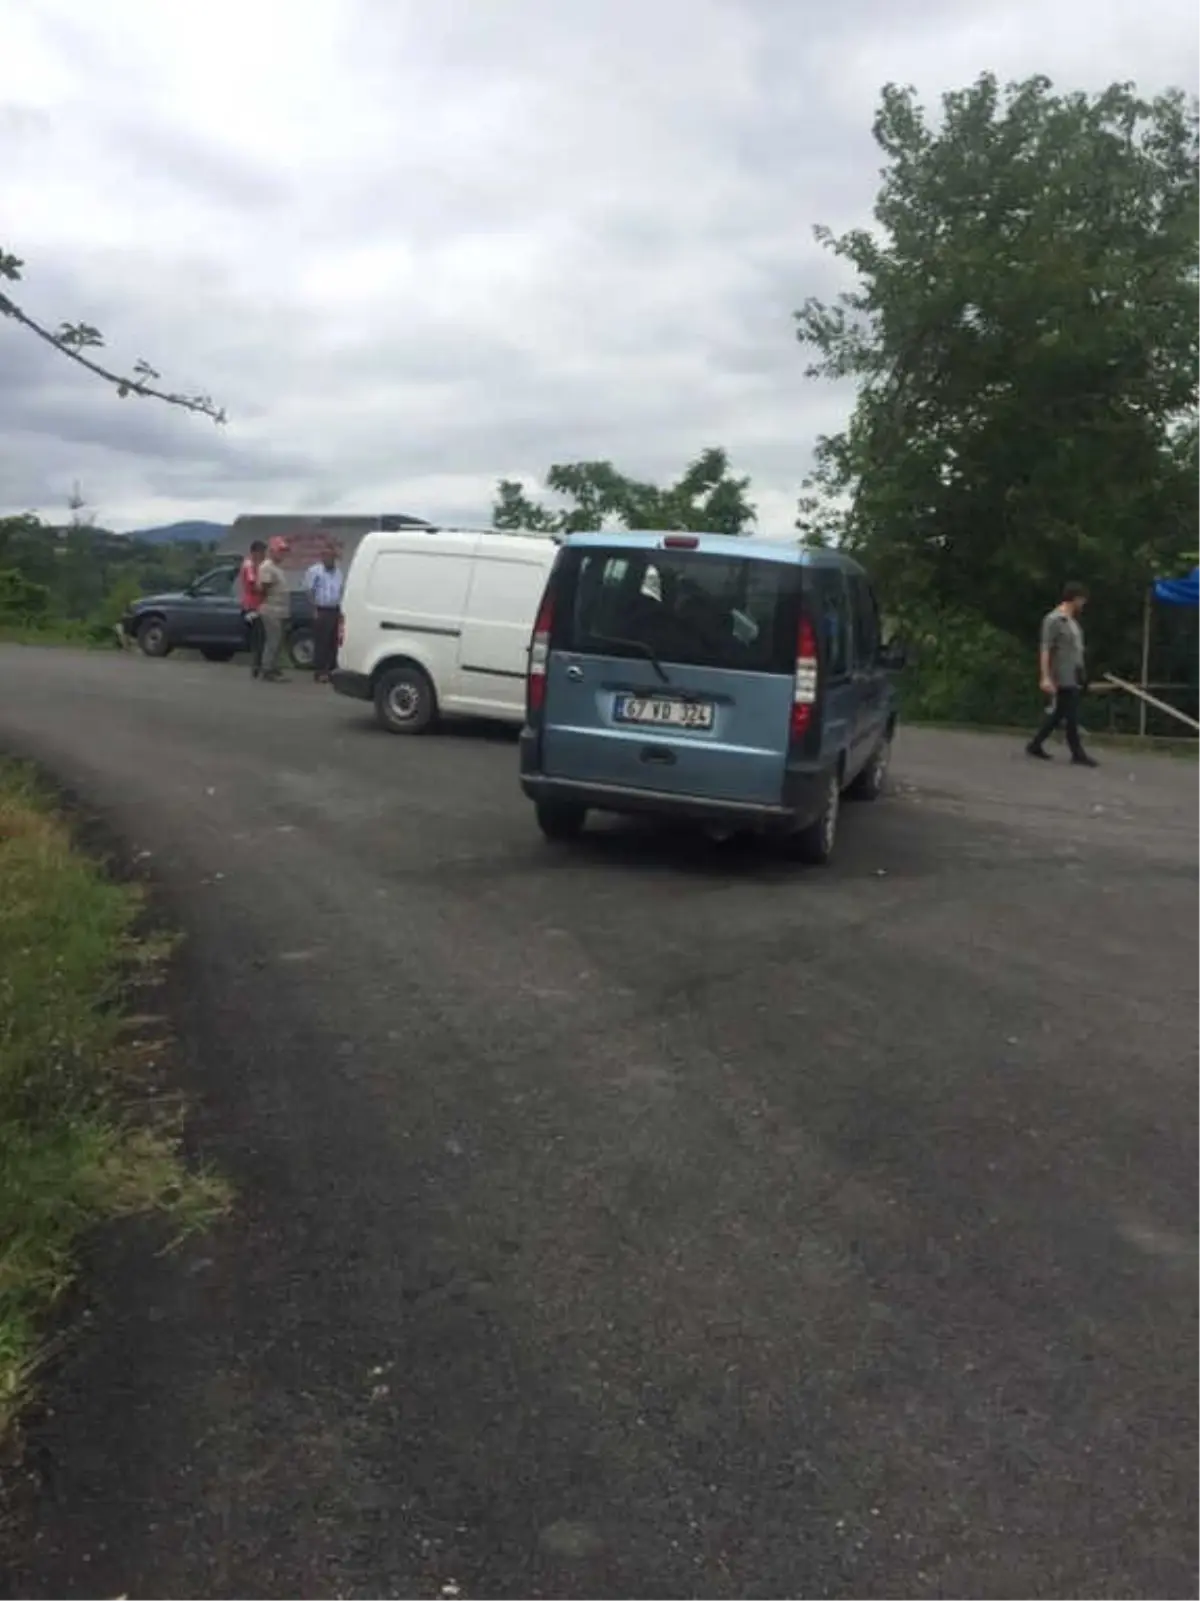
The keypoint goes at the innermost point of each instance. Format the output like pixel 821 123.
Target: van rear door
pixel 506 584
pixel 672 670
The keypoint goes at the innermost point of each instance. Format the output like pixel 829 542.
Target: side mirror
pixel 893 657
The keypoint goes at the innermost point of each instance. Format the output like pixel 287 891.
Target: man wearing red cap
pixel 276 607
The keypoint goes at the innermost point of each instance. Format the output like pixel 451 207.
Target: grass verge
pixel 83 1136
pixel 55 634
pixel 1134 744
pixel 81 636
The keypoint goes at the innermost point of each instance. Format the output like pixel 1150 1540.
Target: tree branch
pixel 72 339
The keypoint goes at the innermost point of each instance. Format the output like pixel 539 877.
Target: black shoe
pixel 1084 761
pixel 1038 753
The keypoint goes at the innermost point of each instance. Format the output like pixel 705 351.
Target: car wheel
pixel 404 701
pixel 153 638
pixel 872 781
pixel 216 653
pixel 814 844
pixel 302 649
pixel 561 820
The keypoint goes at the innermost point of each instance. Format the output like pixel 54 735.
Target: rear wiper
pixel 640 645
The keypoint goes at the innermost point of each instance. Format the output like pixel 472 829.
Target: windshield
pixel 679 606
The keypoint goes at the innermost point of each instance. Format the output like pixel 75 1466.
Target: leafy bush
pixel 22 602
pixel 103 625
pixel 963 670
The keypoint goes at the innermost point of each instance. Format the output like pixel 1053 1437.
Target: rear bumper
pixel 803 798
pixel 356 685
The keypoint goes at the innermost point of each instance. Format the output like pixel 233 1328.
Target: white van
pixel 438 623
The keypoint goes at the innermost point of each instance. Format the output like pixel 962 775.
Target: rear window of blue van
pixel 685 606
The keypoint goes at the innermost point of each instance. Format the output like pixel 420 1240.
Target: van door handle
pixel 575 674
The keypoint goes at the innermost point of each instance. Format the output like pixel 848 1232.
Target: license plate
pixel 661 712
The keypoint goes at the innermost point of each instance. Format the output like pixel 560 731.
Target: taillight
pixel 804 694
pixel 539 655
pixel 341 629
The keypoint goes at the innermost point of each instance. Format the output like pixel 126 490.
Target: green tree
pixel 86 574
pixel 81 574
pixel 28 546
pixel 1024 336
pixel 16 533
pixel 74 339
pixel 706 498
pixel 512 509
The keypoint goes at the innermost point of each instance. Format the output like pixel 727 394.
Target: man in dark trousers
pixel 251 596
pixel 324 584
pixel 1062 675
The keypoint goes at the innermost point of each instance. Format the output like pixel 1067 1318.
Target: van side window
pixel 836 622
pixel 866 624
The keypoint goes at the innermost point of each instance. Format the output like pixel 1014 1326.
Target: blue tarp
pixel 1179 591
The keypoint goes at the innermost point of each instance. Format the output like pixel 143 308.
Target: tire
pixel 872 781
pixel 302 648
pixel 561 820
pixel 217 653
pixel 405 702
pixel 153 639
pixel 814 844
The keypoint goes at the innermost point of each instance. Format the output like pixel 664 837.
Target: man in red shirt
pixel 251 596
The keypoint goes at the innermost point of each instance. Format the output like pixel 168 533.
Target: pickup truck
pixel 207 617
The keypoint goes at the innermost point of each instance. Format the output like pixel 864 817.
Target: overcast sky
pixel 417 245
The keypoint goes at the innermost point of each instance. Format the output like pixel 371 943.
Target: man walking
pixel 251 597
pixel 1062 675
pixel 276 607
pixel 324 584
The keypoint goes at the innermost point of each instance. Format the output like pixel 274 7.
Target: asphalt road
pixel 644 1218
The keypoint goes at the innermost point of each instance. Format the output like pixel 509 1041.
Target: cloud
pixel 413 249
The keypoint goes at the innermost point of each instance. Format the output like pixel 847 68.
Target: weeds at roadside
pixel 57 635
pixel 84 1135
pixel 1132 744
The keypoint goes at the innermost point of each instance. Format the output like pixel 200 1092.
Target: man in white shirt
pixel 323 581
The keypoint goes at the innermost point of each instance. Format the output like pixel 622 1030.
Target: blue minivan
pixel 740 683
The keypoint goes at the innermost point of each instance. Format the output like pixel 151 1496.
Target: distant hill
pixel 191 533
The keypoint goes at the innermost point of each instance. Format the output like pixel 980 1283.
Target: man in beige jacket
pixel 276 607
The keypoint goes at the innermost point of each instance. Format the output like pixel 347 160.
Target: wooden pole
pixel 1172 711
pixel 1147 610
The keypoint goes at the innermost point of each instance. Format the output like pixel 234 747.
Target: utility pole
pixel 77 505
